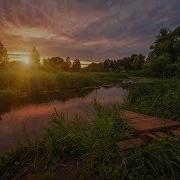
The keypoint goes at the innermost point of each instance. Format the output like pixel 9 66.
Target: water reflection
pixel 10 101
pixel 24 122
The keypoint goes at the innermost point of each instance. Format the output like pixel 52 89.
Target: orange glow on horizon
pixel 23 57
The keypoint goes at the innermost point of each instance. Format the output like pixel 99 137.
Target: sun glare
pixel 25 59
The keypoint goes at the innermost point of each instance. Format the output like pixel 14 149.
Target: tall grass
pixel 24 80
pixel 161 98
pixel 159 160
pixel 93 147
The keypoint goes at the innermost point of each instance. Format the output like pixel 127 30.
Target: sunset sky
pixel 87 29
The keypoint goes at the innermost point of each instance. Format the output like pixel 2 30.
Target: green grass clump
pixel 161 98
pixel 78 138
pixel 158 160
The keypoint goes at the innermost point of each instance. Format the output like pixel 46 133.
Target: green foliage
pixel 159 160
pixel 76 66
pixel 164 56
pixel 57 64
pixel 76 139
pixel 95 67
pixel 27 79
pixel 135 62
pixel 54 62
pixel 67 64
pixel 161 98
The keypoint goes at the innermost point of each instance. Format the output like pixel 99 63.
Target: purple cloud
pixel 85 29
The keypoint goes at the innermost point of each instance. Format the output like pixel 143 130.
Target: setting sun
pixel 23 57
pixel 26 59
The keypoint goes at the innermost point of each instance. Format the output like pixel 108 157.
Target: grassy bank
pixel 75 150
pixel 158 98
pixel 17 84
pixel 31 80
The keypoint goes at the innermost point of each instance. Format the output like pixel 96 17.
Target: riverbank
pixel 32 84
pixel 39 80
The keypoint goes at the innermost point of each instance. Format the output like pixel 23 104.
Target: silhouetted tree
pixel 3 55
pixel 107 64
pixel 137 61
pixel 67 64
pixel 54 62
pixel 35 57
pixel 95 67
pixel 126 61
pixel 76 65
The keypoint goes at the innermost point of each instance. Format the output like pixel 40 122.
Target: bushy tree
pixel 3 55
pixel 137 61
pixel 164 56
pixel 107 64
pixel 54 62
pixel 67 64
pixel 76 66
pixel 95 67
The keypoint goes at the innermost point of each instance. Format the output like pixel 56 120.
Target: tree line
pixel 163 59
pixel 53 62
pixel 61 64
pixel 134 62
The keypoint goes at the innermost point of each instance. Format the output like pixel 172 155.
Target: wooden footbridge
pixel 147 129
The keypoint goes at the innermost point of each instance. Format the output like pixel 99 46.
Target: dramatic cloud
pixel 88 29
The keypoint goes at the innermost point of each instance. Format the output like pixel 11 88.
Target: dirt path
pixel 147 129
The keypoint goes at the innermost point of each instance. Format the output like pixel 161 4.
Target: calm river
pixel 29 120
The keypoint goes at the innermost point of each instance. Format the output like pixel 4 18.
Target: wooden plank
pixel 129 144
pixel 144 123
pixel 149 129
